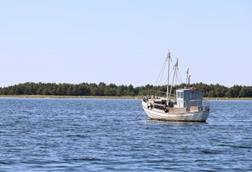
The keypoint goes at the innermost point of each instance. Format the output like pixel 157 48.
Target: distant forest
pixel 102 89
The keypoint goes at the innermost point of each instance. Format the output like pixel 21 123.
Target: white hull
pixel 183 117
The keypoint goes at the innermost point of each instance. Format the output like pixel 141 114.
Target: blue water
pixel 115 135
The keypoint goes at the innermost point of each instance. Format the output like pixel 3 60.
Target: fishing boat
pixel 185 105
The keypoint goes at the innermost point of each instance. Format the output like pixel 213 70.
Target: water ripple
pixel 115 135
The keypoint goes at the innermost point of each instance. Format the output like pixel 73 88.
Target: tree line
pixel 102 89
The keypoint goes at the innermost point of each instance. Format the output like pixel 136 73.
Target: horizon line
pixel 106 83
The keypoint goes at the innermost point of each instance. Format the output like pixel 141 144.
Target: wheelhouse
pixel 188 97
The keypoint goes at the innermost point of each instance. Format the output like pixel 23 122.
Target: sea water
pixel 116 135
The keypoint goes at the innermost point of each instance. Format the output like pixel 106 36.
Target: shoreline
pixel 70 97
pixel 109 97
pixel 228 98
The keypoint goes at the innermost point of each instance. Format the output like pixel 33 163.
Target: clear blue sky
pixel 124 41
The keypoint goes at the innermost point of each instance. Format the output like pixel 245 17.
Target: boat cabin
pixel 187 98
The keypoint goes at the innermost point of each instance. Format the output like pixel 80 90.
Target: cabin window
pixel 191 95
pixel 180 94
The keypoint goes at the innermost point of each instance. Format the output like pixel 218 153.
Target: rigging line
pixel 178 78
pixel 181 75
pixel 171 63
pixel 175 71
pixel 160 73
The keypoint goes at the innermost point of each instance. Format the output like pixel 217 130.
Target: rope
pixel 177 77
pixel 161 73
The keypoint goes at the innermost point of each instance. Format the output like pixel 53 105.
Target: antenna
pixel 188 76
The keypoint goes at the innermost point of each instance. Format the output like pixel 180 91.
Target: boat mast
pixel 168 77
pixel 174 75
pixel 189 80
